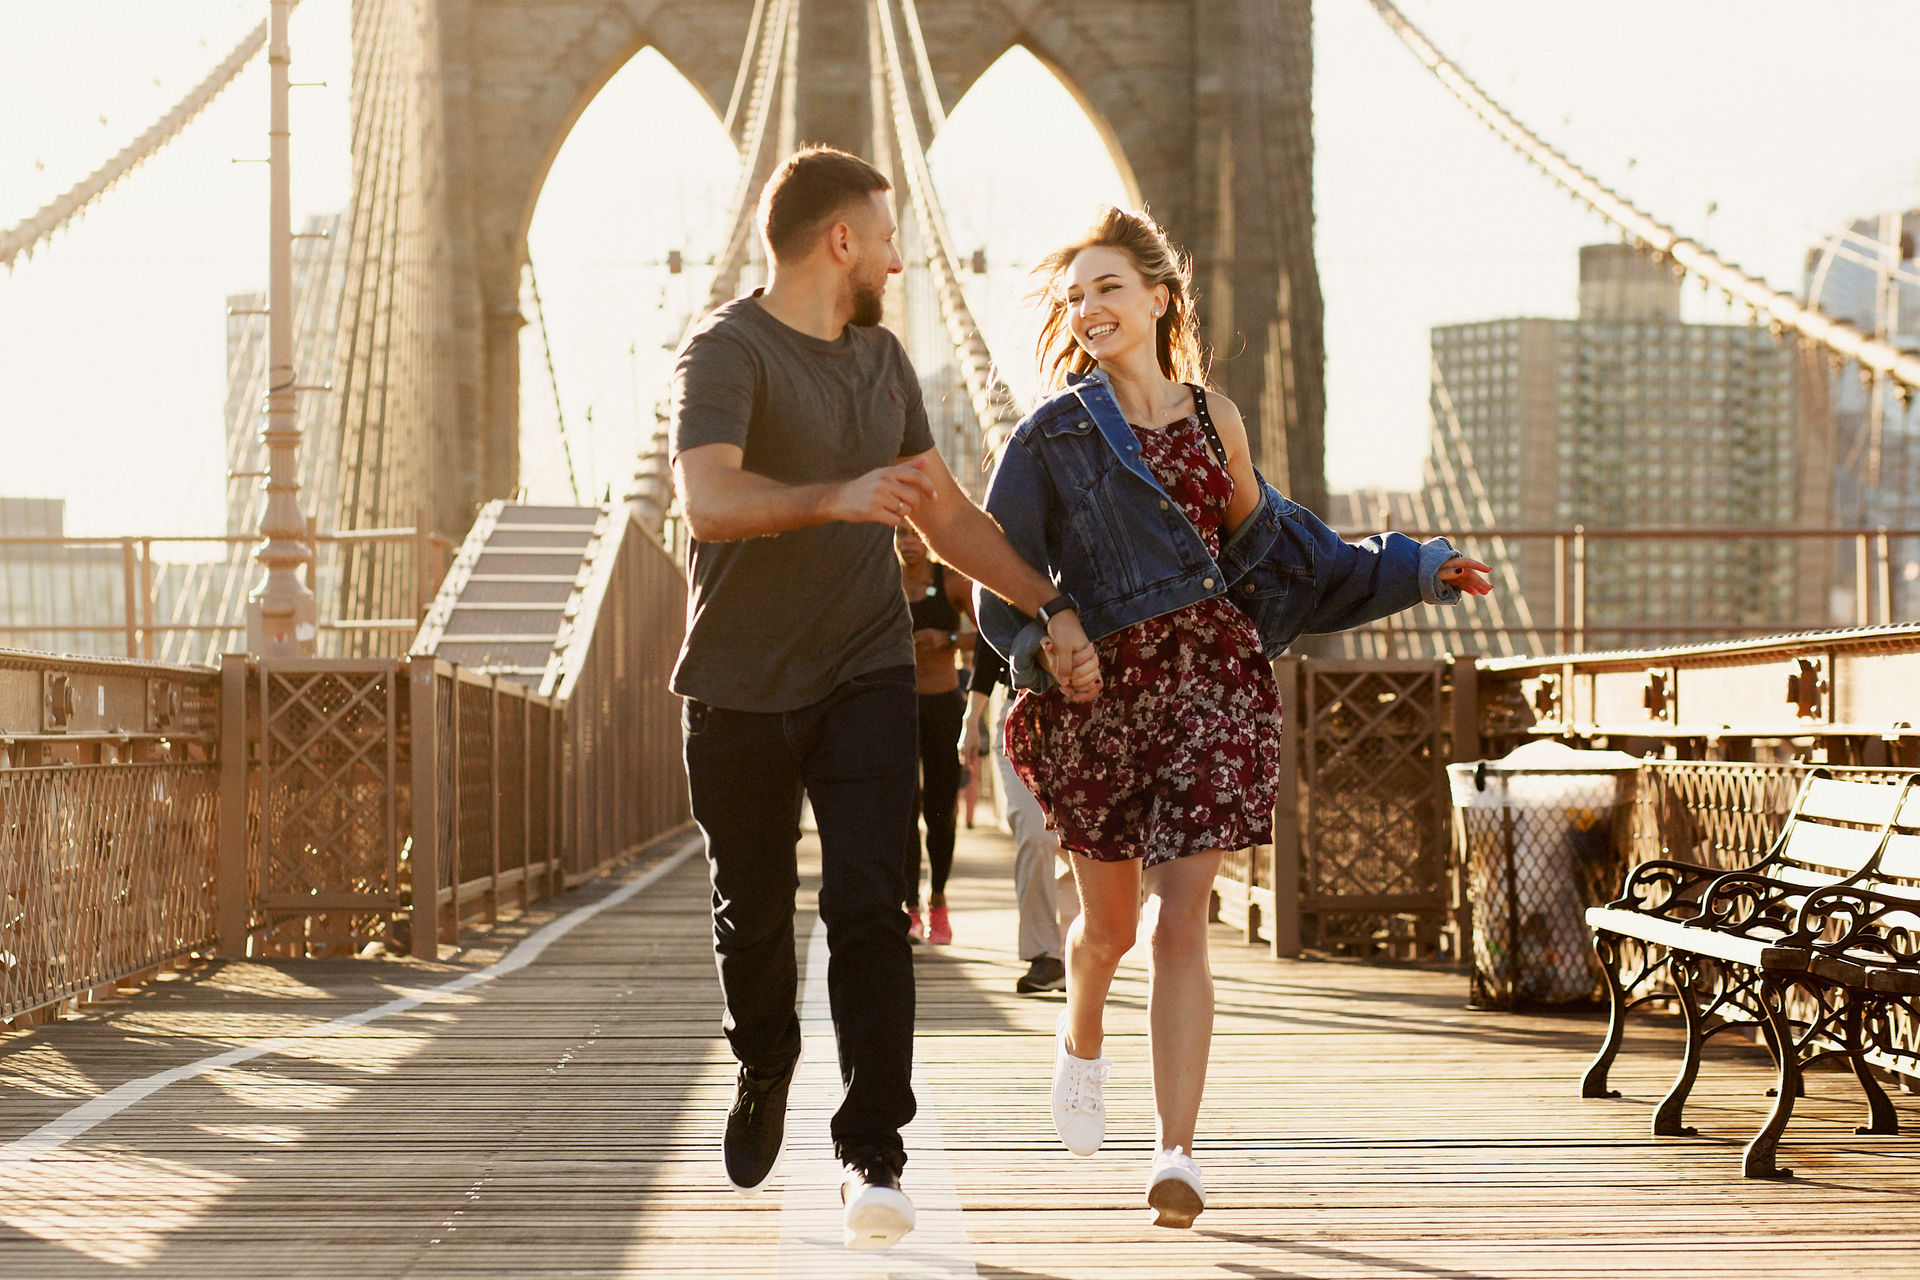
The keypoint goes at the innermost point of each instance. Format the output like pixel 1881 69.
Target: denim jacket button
pixel 1207 583
pixel 1163 504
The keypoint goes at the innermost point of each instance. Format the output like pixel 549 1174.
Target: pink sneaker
pixel 939 928
pixel 916 928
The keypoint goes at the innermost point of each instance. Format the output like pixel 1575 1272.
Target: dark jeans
pixel 852 753
pixel 938 799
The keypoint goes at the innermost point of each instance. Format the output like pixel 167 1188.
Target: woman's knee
pixel 1107 932
pixel 1178 931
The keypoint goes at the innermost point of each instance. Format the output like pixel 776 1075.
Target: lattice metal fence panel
pixel 1373 798
pixel 329 778
pixel 473 720
pixel 511 789
pixel 1719 814
pixel 105 871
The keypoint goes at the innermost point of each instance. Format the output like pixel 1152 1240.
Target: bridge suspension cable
pixel 993 405
pixel 1877 358
pixel 769 49
pixel 24 237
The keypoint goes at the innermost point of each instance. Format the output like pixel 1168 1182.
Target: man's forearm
pixel 734 505
pixel 968 539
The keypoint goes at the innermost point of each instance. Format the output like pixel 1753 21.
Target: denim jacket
pixel 1076 499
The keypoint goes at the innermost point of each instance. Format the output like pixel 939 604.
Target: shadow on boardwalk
pixel 562 1120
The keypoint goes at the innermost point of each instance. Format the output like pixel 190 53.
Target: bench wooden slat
pixel 1837 800
pixel 1901 861
pixel 1841 849
pixel 1680 937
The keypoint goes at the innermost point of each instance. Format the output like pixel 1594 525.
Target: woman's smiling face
pixel 1110 306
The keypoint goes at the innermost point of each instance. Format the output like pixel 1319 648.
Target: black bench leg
pixel 1881 1117
pixel 1667 1118
pixel 1594 1083
pixel 1759 1160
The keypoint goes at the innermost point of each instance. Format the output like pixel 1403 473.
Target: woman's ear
pixel 1162 299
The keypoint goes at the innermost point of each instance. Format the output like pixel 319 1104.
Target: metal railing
pixel 109 778
pixel 306 806
pixel 143 619
pixel 1576 628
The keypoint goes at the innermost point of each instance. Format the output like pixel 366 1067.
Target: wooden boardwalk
pixel 560 1118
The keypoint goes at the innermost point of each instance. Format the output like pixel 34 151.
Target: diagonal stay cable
pixel 992 403
pixel 553 380
pixel 1876 357
pixel 1481 512
pixel 24 237
pixel 650 493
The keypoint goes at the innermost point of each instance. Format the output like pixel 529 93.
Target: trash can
pixel 1540 839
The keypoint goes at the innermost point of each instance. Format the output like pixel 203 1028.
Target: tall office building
pixel 1626 418
pixel 1866 273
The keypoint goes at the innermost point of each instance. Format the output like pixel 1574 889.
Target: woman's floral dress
pixel 1180 753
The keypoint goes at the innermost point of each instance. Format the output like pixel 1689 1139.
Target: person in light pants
pixel 1042 878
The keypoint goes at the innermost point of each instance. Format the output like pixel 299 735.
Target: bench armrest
pixel 1736 901
pixel 1657 886
pixel 1861 920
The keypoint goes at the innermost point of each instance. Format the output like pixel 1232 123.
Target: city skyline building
pixel 1628 418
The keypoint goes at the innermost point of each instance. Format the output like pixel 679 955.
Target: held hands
pixel 1467 575
pixel 1070 657
pixel 885 495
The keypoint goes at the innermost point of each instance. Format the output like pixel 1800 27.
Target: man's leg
pixel 745 787
pixel 859 754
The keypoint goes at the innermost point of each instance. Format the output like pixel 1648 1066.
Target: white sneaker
pixel 1174 1190
pixel 877 1212
pixel 1079 1109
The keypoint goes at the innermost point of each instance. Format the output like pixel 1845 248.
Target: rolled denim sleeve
pixel 1249 544
pixel 1017 498
pixel 1434 554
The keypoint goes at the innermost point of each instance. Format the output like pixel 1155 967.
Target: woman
pixel 1135 490
pixel 942 630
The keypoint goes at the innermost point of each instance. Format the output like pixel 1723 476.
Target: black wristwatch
pixel 1062 603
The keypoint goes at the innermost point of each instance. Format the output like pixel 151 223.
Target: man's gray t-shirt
pixel 776 623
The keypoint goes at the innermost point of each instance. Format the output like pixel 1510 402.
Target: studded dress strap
pixel 1206 422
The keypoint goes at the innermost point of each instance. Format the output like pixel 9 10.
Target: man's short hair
pixel 806 192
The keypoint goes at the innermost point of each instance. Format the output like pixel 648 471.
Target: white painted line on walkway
pixel 810 1247
pixel 59 1132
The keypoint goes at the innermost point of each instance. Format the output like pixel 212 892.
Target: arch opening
pixel 621 240
pixel 1020 167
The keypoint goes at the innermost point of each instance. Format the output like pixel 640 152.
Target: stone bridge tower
pixel 1206 105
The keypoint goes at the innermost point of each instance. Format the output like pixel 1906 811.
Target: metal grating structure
pixel 514 588
pixel 1373 800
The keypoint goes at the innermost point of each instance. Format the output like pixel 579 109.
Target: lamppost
pixel 282 615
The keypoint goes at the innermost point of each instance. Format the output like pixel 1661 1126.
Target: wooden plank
pixel 1359 1122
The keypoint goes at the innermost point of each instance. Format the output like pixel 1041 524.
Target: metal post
pixel 146 598
pixel 127 592
pixel 1883 573
pixel 1579 588
pixel 282 615
pixel 1562 577
pixel 493 795
pixel 1465 748
pixel 1862 583
pixel 424 734
pixel 230 883
pixel 1284 928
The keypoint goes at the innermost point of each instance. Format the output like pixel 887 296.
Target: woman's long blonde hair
pixel 1176 338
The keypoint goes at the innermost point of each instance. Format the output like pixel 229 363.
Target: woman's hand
pixel 1467 575
pixel 1071 658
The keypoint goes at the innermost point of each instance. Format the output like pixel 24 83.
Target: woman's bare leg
pixel 1104 931
pixel 1180 994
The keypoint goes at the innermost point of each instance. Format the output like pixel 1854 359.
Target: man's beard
pixel 868 302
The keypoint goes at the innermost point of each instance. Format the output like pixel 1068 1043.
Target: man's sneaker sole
pixel 877 1218
pixel 780 1157
pixel 1175 1203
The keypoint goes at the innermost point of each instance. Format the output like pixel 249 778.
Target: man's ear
pixel 840 242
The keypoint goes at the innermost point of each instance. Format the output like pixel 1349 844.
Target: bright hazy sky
pixel 112 338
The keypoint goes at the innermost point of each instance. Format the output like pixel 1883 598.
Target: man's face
pixel 876 257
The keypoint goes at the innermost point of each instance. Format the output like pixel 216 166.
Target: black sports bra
pixel 933 609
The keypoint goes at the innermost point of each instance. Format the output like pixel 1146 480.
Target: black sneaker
pixel 877 1212
pixel 1046 973
pixel 756 1127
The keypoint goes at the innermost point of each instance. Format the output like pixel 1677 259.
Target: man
pixel 800 442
